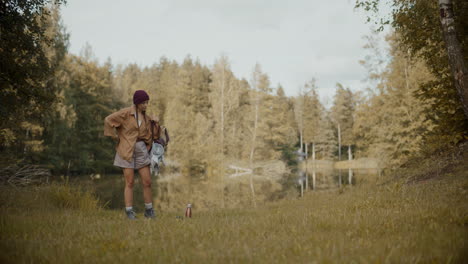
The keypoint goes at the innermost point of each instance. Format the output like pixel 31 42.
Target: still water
pixel 173 191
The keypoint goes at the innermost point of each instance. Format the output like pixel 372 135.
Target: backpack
pixel 160 139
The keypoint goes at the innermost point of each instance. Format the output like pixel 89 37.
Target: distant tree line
pixel 53 103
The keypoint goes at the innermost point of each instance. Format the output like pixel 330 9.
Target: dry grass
pixel 16 176
pixel 394 223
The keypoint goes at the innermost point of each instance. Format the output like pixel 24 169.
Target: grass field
pixel 423 222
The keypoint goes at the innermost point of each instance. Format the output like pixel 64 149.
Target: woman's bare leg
pixel 146 181
pixel 129 176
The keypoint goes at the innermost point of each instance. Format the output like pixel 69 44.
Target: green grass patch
pixel 394 223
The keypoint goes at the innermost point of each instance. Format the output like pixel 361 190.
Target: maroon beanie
pixel 140 96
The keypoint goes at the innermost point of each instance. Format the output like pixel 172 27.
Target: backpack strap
pixel 152 131
pixel 152 135
pixel 167 135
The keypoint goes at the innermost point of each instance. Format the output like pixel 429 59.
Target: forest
pixel 54 102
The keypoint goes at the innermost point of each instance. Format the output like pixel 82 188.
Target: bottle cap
pixel 189 205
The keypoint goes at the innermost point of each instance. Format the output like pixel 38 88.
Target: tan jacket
pixel 122 125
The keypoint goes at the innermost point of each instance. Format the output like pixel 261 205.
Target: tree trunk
pixel 222 138
pixel 25 139
pixel 339 154
pixel 252 149
pixel 408 93
pixel 454 52
pixel 306 172
pixel 350 171
pixel 302 146
pixel 313 166
pixel 68 170
pixel 302 188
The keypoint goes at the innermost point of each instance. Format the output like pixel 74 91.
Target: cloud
pixel 294 41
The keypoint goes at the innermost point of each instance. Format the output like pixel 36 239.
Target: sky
pixel 293 41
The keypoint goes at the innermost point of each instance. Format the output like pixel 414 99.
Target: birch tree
pixel 256 100
pixel 454 52
pixel 224 99
pixel 261 104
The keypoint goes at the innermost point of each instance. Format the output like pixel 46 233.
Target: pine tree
pixel 282 123
pixel 189 115
pixel 342 114
pixel 312 113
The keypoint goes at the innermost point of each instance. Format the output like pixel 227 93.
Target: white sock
pixel 148 205
pixel 129 208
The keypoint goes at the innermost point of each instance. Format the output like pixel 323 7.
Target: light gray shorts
pixel 140 159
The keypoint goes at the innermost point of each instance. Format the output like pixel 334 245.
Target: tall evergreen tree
pixel 282 125
pixel 342 114
pixel 312 113
pixel 189 114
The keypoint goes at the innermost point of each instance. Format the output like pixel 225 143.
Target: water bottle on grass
pixel 188 211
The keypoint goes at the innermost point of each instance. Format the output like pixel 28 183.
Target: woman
pixel 131 127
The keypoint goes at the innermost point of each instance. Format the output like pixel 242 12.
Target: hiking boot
pixel 149 213
pixel 130 214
